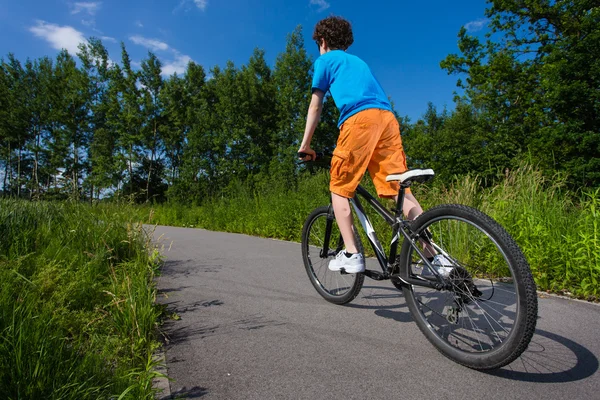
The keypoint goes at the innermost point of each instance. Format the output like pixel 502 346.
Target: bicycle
pixel 481 313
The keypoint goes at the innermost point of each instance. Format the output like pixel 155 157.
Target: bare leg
pixel 343 216
pixel 412 209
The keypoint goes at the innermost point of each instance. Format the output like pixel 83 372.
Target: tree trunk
pixel 36 193
pixel 6 169
pixel 151 162
pixel 130 170
pixel 75 180
pixel 19 173
pixel 173 168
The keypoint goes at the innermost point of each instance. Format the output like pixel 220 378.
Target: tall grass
pixel 77 312
pixel 274 210
pixel 558 230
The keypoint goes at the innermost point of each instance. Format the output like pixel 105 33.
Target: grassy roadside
pixel 559 231
pixel 77 312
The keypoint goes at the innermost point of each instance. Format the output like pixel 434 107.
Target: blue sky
pixel 403 41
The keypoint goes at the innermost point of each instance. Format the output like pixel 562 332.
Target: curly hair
pixel 336 31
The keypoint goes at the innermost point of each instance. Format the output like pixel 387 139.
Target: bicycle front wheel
pixel 335 287
pixel 485 315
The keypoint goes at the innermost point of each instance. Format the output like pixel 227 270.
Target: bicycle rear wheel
pixel 335 287
pixel 486 314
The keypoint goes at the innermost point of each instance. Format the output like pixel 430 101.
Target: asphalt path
pixel 247 324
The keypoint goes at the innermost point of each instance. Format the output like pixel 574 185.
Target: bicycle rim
pixel 484 317
pixel 333 286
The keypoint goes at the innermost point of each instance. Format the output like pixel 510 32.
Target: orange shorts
pixel 369 139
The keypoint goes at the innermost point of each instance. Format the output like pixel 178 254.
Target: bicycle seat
pixel 413 175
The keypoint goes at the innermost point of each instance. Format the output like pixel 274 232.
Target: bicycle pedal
pixel 378 276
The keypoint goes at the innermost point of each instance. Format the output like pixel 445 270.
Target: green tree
pixel 534 84
pixel 103 96
pixel 71 139
pixel 193 141
pixel 420 140
pixel 292 79
pixel 257 94
pixel 175 129
pixel 130 139
pixel 39 83
pixel 4 123
pixel 16 125
pixel 152 109
pixel 229 139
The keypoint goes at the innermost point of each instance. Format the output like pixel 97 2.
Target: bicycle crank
pixel 378 276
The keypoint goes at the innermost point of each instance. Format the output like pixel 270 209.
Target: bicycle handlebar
pixel 321 159
pixel 317 156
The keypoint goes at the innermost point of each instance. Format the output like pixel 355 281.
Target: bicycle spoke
pixel 476 312
pixel 331 283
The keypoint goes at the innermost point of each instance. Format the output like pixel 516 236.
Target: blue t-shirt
pixel 350 82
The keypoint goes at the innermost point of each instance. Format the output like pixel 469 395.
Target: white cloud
pixel 323 5
pixel 108 39
pixel 201 4
pixel 59 37
pixel 476 25
pixel 88 8
pixel 186 5
pixel 139 24
pixel 169 67
pixel 152 44
pixel 178 66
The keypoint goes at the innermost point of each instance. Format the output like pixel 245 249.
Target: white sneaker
pixel 442 265
pixel 352 265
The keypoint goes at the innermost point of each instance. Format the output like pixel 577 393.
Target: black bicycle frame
pixel 399 226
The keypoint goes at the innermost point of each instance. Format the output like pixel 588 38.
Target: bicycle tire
pixel 334 287
pixel 486 316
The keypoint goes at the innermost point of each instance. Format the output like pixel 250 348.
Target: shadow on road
pixel 193 393
pixel 385 301
pixel 551 358
pixel 175 268
pixel 174 336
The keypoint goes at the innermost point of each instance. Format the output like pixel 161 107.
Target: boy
pixel 369 132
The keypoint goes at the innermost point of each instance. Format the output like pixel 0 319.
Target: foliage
pixel 107 130
pixel 77 312
pixel 103 129
pixel 531 89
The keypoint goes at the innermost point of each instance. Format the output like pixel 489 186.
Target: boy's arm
pixel 312 119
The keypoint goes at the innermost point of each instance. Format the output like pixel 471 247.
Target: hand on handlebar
pixel 307 154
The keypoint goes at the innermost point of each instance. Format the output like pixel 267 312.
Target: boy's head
pixel 336 31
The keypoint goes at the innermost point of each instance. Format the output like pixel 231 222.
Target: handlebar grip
pixel 316 157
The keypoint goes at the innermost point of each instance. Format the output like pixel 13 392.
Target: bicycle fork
pixel 328 227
